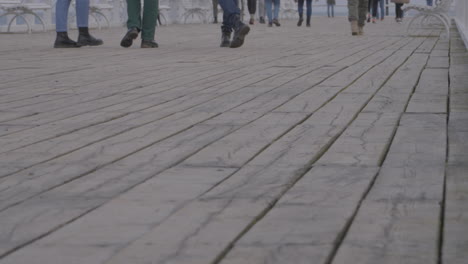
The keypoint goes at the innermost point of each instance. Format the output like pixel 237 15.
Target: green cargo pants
pixel 147 25
pixel 358 11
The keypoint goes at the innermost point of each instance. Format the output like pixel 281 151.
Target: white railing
pixel 461 19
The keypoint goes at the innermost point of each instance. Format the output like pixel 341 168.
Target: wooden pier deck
pixel 306 145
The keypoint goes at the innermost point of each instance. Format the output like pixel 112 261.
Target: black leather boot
pixel 85 39
pixel 149 44
pixel 63 41
pixel 308 21
pixel 127 40
pixel 225 37
pixel 299 23
pixel 240 31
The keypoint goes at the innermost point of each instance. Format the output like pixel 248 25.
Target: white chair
pixel 288 9
pixel 439 12
pixel 194 10
pixel 163 12
pixel 98 8
pixel 22 8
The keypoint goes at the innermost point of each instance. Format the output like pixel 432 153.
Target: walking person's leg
pixel 133 23
pixel 353 15
pixel 226 30
pixel 333 10
pixel 232 20
pixel 300 10
pixel 362 11
pixel 369 5
pixel 268 6
pixel 382 9
pixel 430 2
pixel 61 26
pixel 261 11
pixel 82 19
pixel 215 11
pixel 252 6
pixel 148 28
pixel 328 10
pixel 276 13
pixel 309 12
pixel 374 10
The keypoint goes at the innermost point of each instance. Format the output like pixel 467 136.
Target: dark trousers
pixel 147 24
pixel 215 9
pixel 398 11
pixel 231 13
pixel 252 6
pixel 300 7
pixel 375 7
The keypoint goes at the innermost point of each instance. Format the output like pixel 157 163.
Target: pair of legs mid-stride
pixel 273 14
pixel 357 15
pixel 232 23
pixel 136 23
pixel 61 20
pixel 300 9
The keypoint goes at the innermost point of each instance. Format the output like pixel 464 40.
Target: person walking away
pixel 300 9
pixel 215 11
pixel 398 9
pixel 82 17
pixel 273 15
pixel 261 11
pixel 232 22
pixel 252 6
pixel 357 16
pixel 382 9
pixel 331 8
pixel 136 23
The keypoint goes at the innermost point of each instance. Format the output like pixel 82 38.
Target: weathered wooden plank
pixel 104 184
pixel 455 216
pixel 364 142
pixel 427 103
pixel 79 163
pixel 399 221
pixel 433 81
pixel 241 146
pixel 326 197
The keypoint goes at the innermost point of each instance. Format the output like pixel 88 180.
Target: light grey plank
pixel 311 215
pixel 364 142
pixel 455 216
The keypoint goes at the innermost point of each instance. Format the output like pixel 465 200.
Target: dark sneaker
pixel 149 44
pixel 270 24
pixel 63 41
pixel 127 40
pixel 276 22
pixel 225 40
pixel 252 21
pixel 88 40
pixel 239 35
pixel 261 20
pixel 299 23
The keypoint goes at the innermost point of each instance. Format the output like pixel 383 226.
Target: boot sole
pixel 66 46
pixel 90 44
pixel 225 45
pixel 239 40
pixel 127 40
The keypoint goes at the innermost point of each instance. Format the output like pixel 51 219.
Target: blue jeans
pixel 332 9
pixel 382 9
pixel 429 2
pixel 268 4
pixel 61 14
pixel 231 13
pixel 300 7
